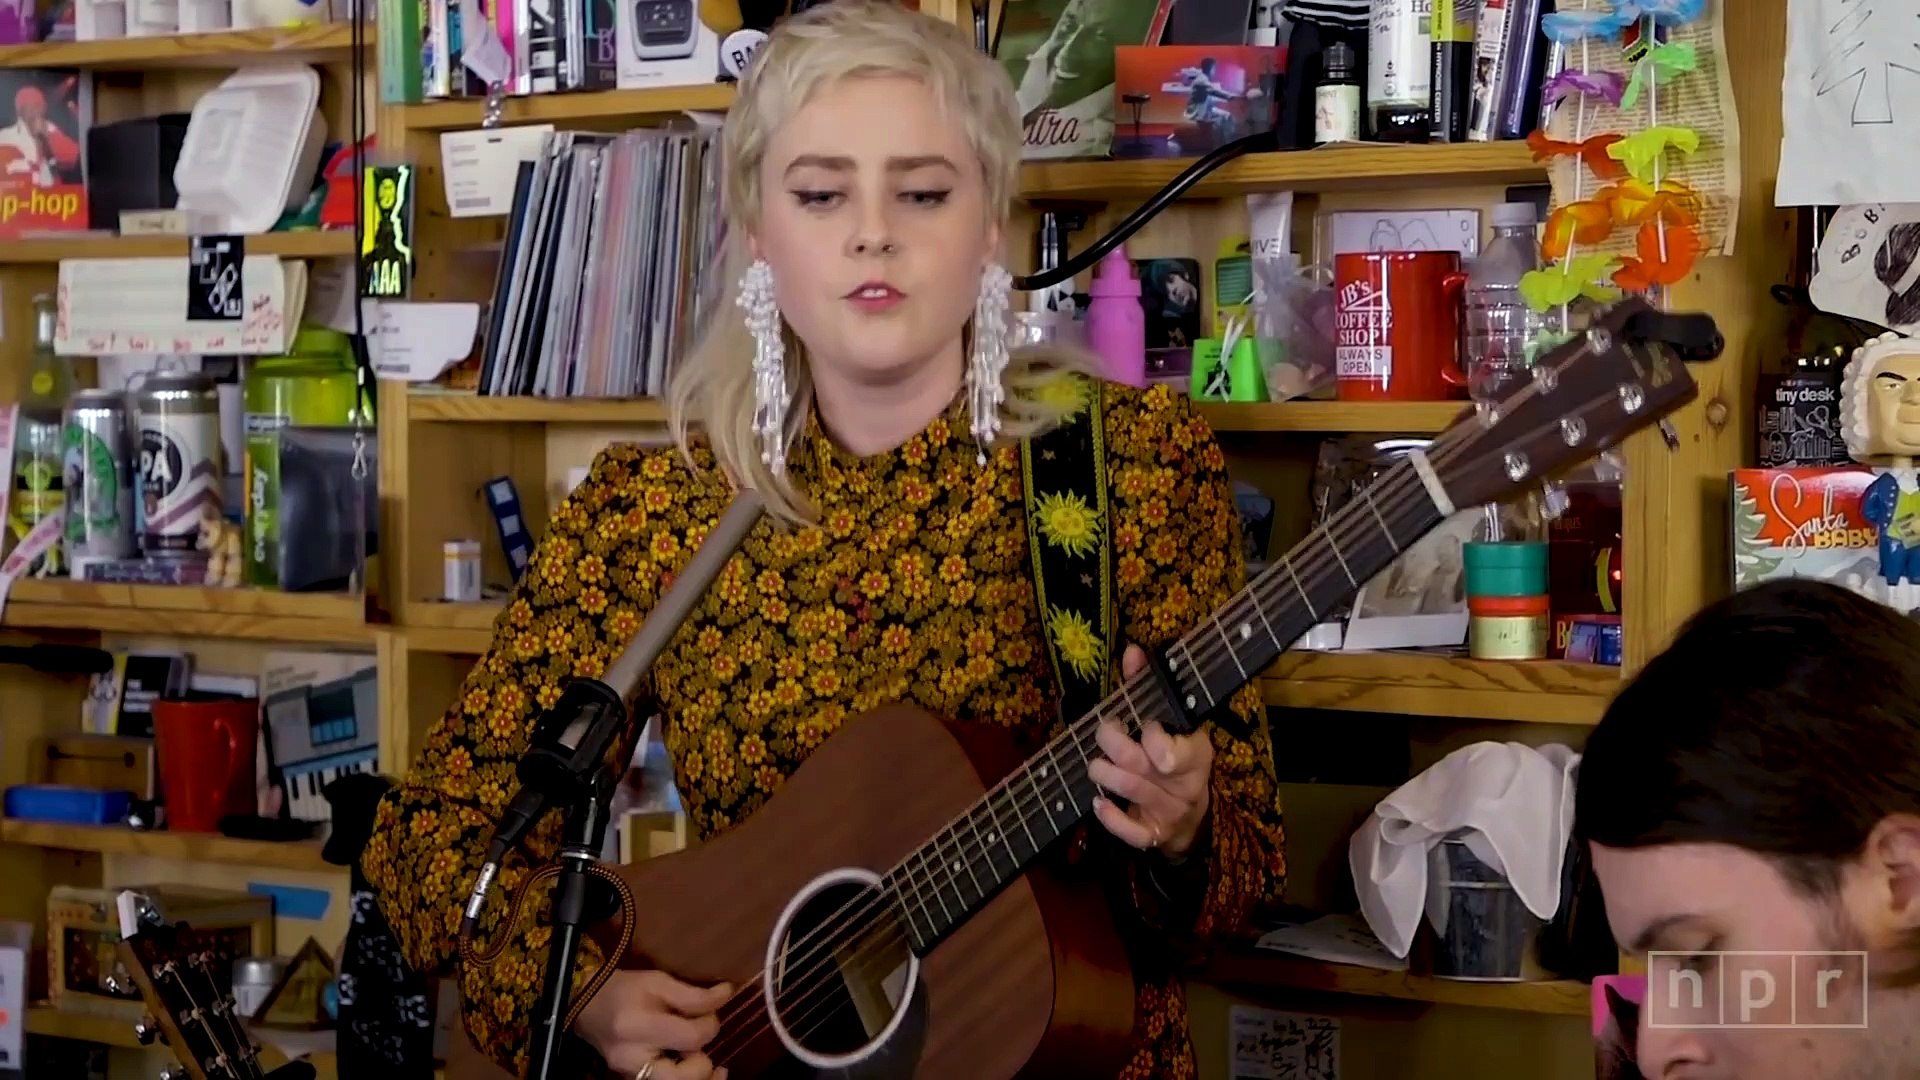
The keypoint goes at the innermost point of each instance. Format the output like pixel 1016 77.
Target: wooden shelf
pixel 1422 684
pixel 563 108
pixel 183 847
pixel 46 1021
pixel 52 1023
pixel 1418 684
pixel 472 408
pixel 1348 167
pixel 307 244
pixel 1416 417
pixel 454 629
pixel 1334 417
pixel 188 610
pixel 315 44
pixel 1268 971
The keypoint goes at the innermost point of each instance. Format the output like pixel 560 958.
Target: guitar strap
pixel 1064 473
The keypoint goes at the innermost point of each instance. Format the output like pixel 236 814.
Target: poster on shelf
pixel 43 132
pixel 1850 103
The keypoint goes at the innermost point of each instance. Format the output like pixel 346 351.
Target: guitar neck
pixel 953 875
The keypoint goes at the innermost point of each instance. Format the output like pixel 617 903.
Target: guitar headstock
pixel 190 1003
pixel 1626 371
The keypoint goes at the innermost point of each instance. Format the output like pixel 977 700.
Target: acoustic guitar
pixel 189 1001
pixel 887 913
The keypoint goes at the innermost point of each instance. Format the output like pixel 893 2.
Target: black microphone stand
pixel 586 834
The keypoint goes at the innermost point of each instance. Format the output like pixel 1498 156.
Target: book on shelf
pixel 44 117
pixel 611 247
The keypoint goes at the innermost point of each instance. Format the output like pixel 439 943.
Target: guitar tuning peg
pixel 146 1030
pixel 174 1072
pixel 115 985
pixel 1670 434
pixel 1553 500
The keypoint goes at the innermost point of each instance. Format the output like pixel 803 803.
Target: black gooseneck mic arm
pixel 567 766
pixel 1258 143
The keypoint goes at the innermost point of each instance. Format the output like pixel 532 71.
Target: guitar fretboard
pixel 953 875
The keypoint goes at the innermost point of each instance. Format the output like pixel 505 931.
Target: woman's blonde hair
pixel 712 388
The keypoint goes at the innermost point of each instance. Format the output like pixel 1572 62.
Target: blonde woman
pixel 864 388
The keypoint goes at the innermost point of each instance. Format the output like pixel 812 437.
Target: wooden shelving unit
pixel 585 108
pixel 255 614
pixel 49 1022
pixel 185 847
pixel 306 244
pixel 471 408
pixel 1369 166
pixel 227 631
pixel 1266 972
pixel 319 43
pixel 1418 684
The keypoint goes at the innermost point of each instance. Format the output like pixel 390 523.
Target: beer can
pixel 180 462
pixel 96 443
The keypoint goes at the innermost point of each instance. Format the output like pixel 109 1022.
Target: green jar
pixel 311 386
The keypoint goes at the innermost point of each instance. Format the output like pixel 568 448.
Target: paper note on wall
pixel 1263 1044
pixel 1850 103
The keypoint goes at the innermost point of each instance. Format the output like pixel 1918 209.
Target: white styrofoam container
pixel 252 147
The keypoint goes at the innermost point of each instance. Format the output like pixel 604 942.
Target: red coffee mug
pixel 1397 325
pixel 206 750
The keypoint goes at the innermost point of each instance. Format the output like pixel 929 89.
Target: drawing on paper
pixel 1867 41
pixel 1270 1045
pixel 1868 265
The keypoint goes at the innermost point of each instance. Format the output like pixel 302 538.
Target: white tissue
pixel 1517 801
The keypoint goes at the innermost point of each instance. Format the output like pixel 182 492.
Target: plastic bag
pixel 1293 329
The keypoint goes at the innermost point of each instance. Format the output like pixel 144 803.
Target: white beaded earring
pixel 771 392
pixel 988 360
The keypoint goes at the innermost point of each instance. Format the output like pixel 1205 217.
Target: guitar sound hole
pixel 841 974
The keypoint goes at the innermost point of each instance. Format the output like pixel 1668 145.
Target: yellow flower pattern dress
pixel 916 586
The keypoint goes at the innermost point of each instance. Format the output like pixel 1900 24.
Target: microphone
pixel 571 741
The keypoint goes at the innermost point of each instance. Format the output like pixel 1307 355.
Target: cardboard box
pixel 663 43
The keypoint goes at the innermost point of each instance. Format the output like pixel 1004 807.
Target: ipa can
pixel 97 460
pixel 180 463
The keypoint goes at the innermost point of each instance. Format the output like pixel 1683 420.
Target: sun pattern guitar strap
pixel 1064 473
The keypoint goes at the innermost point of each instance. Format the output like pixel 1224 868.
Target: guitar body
pixel 1036 984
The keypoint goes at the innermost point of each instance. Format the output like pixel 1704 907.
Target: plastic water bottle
pixel 1499 322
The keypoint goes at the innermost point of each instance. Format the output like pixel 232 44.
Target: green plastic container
pixel 311 386
pixel 1512 568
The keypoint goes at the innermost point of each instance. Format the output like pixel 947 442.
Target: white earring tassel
pixel 771 393
pixel 987 364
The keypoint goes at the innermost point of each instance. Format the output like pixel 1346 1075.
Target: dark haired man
pixel 1754 793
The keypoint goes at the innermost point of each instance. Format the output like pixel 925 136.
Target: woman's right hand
pixel 639 1017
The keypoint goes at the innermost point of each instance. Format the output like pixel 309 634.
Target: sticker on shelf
pixel 387 258
pixel 481 167
pixel 415 342
pixel 213 278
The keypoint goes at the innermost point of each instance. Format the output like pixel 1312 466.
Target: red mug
pixel 206 751
pixel 1397 325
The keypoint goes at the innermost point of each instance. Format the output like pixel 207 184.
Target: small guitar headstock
pixel 1626 371
pixel 191 1003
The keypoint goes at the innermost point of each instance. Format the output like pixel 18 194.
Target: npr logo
pixel 1756 990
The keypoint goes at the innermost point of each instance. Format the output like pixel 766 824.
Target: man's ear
pixel 1892 863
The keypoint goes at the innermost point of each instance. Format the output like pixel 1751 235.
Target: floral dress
pixel 915 585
